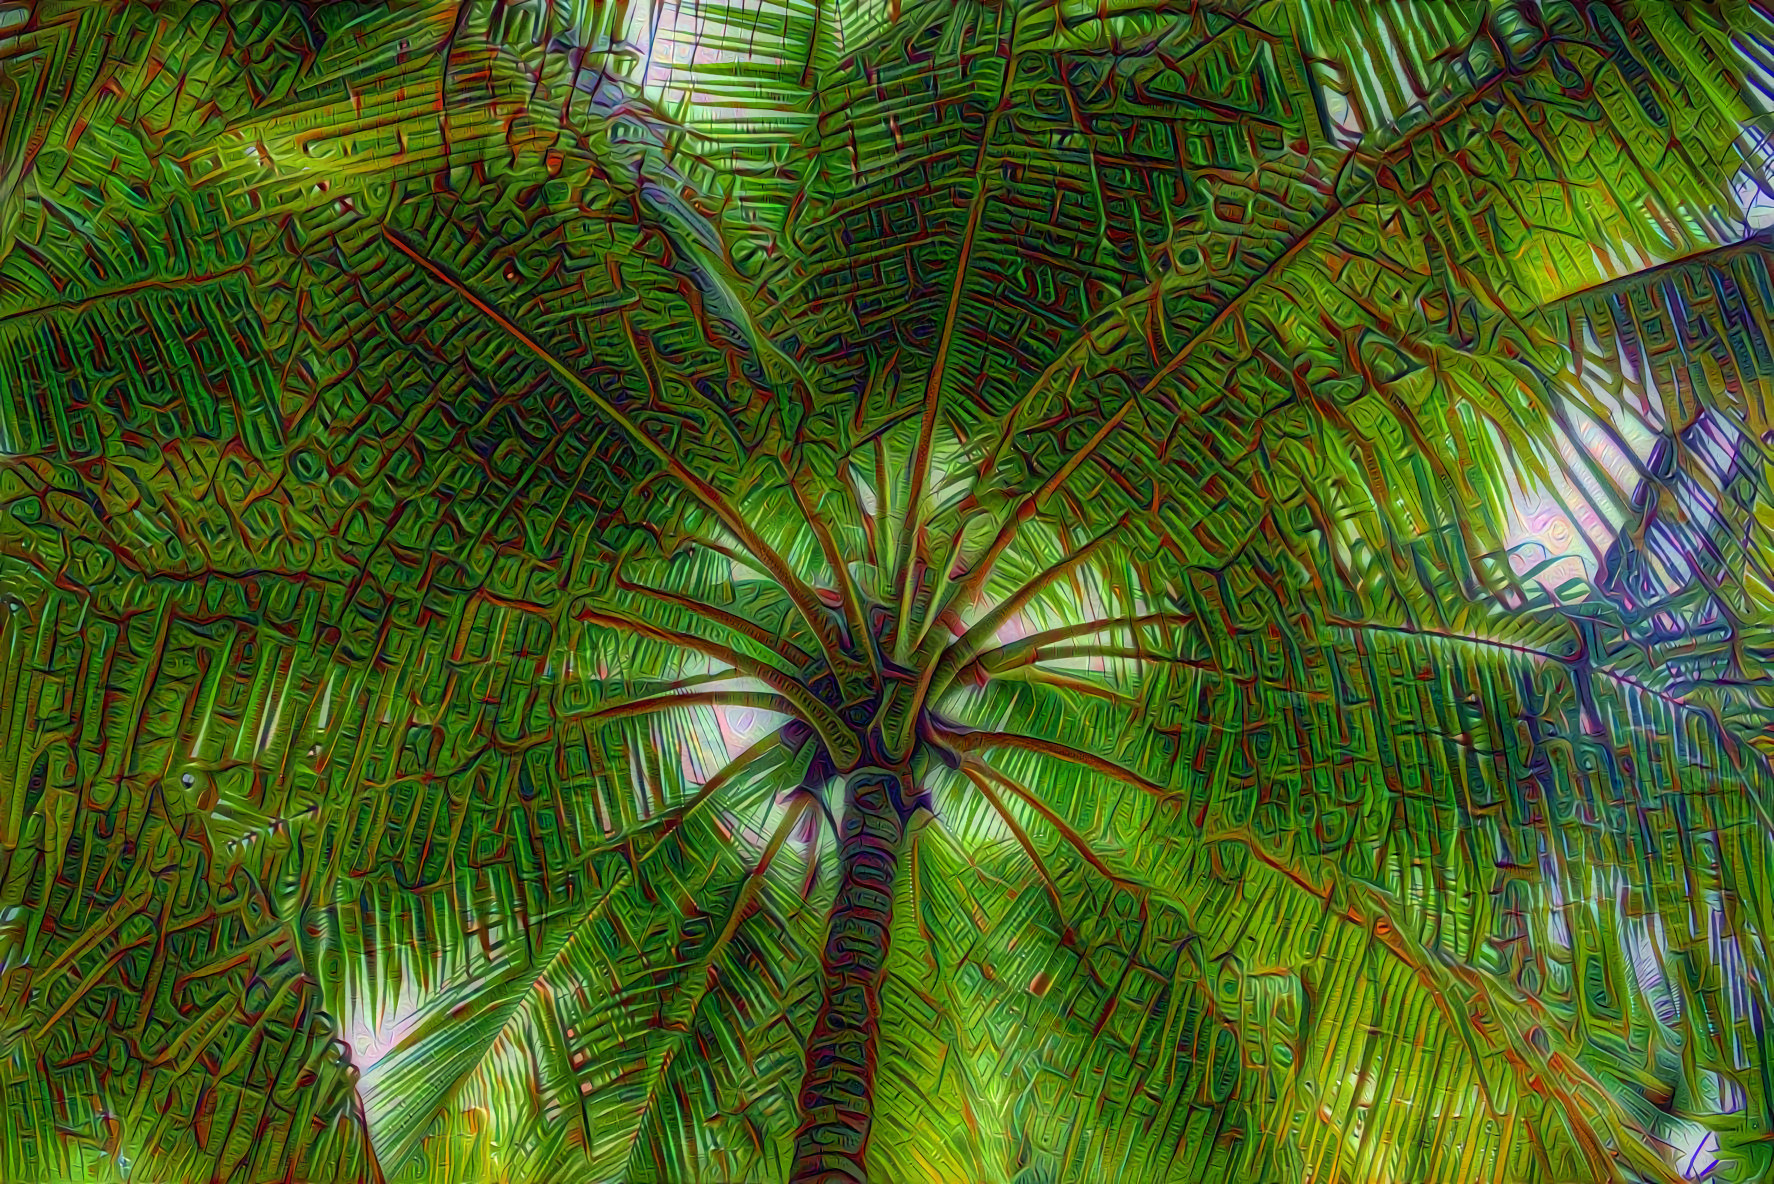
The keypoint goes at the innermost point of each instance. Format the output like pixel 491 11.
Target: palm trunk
pixel 838 1087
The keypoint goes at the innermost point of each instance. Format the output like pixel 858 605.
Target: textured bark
pixel 838 1087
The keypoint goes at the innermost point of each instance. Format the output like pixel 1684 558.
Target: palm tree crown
pixel 847 592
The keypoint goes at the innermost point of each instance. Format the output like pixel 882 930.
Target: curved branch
pixel 821 718
pixel 538 975
pixel 979 772
pixel 939 674
pixel 1536 1072
pixel 782 647
pixel 701 979
pixel 1028 650
pixel 904 567
pixel 1433 971
pixel 1067 682
pixel 1026 508
pixel 655 704
pixel 1339 206
pixel 971 741
pixel 854 617
pixel 730 516
pixel 1022 838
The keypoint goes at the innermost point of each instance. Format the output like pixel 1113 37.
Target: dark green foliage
pixel 396 400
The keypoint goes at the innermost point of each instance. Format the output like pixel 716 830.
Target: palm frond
pixel 494 491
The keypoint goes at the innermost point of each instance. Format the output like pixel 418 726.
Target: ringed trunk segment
pixel 838 1086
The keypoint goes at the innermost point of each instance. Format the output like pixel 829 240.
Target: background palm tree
pixel 926 591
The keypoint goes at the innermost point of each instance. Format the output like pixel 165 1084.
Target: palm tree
pixel 881 682
pixel 965 631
